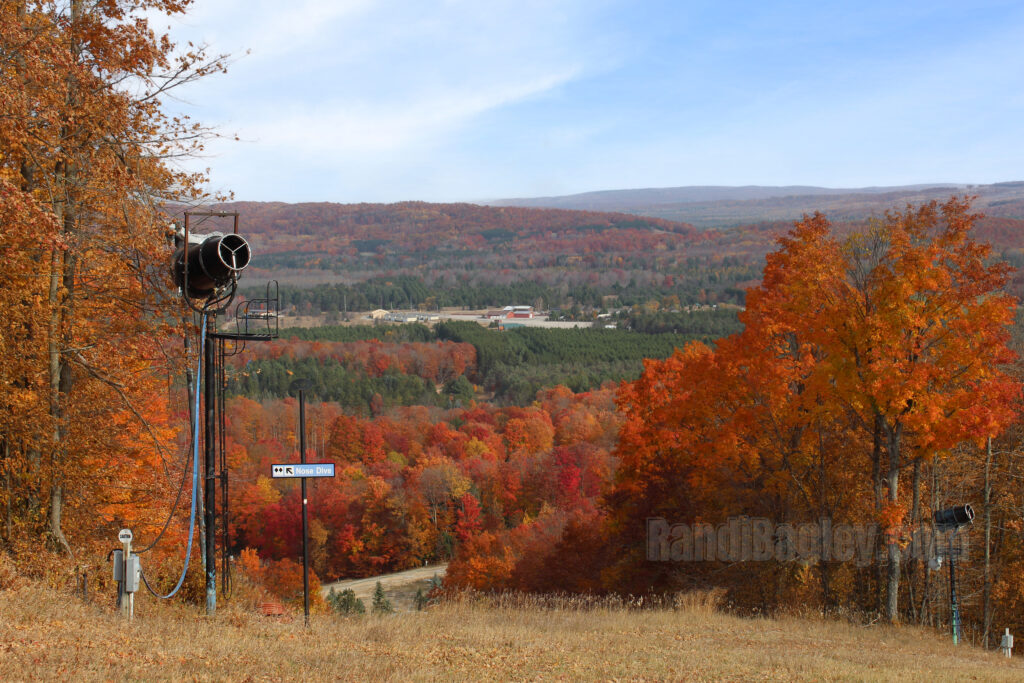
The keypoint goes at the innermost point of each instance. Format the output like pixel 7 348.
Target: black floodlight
pixel 301 384
pixel 953 518
pixel 208 262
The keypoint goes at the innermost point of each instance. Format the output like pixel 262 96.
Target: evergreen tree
pixel 345 602
pixel 381 604
pixel 420 600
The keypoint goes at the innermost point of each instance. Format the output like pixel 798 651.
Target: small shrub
pixel 345 602
pixel 420 600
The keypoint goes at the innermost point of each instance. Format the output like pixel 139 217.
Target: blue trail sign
pixel 301 471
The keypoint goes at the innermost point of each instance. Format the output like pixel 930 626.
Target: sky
pixel 452 100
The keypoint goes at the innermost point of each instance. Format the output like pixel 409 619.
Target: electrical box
pixel 134 569
pixel 118 565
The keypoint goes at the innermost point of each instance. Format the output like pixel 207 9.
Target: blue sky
pixel 452 100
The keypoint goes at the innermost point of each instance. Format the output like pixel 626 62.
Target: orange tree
pixel 82 175
pixel 861 357
pixel 915 336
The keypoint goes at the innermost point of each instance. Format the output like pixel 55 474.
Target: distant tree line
pixel 511 366
pixel 711 322
pixel 409 292
pixel 516 363
pixel 385 332
pixel 353 389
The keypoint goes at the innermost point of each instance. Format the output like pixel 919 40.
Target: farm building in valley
pixel 512 312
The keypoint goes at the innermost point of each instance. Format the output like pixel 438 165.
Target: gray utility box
pixel 134 569
pixel 118 565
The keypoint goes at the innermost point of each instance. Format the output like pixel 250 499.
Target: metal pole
pixel 223 466
pixel 305 513
pixel 954 606
pixel 209 497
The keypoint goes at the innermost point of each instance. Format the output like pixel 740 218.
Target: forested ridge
pixel 814 409
pixel 334 257
pixel 466 256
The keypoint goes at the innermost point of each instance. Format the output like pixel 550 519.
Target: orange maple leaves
pixel 874 350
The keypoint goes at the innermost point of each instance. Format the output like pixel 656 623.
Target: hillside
pixel 616 200
pixel 420 227
pixel 344 257
pixel 717 207
pixel 464 255
pixel 48 635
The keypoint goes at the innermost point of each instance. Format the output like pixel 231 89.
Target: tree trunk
pixel 56 508
pixel 987 586
pixel 55 372
pixel 893 480
pixel 916 567
pixel 61 300
pixel 824 514
pixel 876 479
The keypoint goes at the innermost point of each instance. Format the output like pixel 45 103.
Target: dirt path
pixel 399 587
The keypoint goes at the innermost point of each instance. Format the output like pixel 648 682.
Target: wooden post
pixel 128 602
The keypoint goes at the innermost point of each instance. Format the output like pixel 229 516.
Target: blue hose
pixel 195 469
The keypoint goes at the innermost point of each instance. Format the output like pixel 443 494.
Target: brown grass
pixel 47 636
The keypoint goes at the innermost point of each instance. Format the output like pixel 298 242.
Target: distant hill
pixel 481 256
pixel 436 224
pixel 722 207
pixel 614 200
pixel 477 256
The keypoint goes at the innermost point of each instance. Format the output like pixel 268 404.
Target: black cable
pixel 188 454
pixel 174 507
pixel 195 482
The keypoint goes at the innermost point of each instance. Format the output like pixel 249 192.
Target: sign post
pixel 305 506
pixel 128 599
pixel 303 471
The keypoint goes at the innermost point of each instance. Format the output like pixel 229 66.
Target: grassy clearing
pixel 399 587
pixel 44 636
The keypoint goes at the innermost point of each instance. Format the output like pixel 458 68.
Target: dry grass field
pixel 44 636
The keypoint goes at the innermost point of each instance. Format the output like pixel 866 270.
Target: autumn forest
pixel 859 371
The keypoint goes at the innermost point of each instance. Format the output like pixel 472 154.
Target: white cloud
pixel 340 127
pixel 372 85
pixel 390 99
pixel 268 27
pixel 290 28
